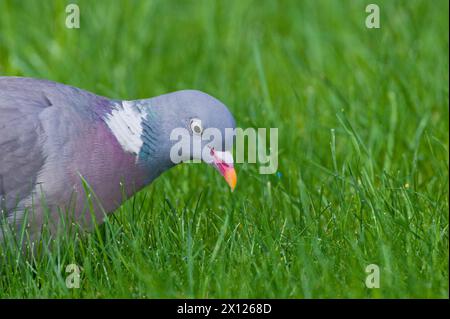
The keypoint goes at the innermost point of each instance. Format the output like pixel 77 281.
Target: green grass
pixel 363 147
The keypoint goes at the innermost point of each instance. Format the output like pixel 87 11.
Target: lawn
pixel 363 175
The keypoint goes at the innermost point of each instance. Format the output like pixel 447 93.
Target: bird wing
pixel 21 138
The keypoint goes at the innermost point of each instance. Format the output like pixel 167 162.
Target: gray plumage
pixel 51 134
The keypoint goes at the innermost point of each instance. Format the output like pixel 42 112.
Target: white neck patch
pixel 125 121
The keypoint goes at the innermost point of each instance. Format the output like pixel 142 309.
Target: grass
pixel 363 148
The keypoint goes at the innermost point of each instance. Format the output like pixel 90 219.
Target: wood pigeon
pixel 56 139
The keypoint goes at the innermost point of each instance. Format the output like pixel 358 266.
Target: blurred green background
pixel 363 147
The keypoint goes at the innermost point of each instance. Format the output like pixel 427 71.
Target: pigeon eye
pixel 196 126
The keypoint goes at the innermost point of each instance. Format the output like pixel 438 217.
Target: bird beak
pixel 223 162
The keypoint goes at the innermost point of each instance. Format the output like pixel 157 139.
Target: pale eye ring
pixel 196 126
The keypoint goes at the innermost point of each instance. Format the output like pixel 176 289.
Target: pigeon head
pixel 184 126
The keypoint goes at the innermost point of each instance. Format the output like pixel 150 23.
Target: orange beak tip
pixel 231 178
